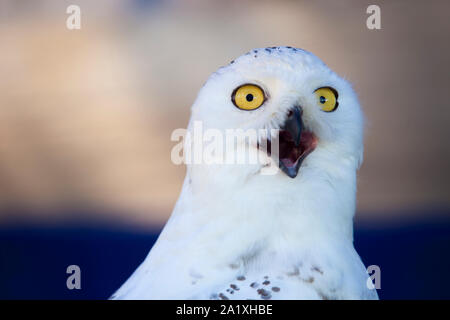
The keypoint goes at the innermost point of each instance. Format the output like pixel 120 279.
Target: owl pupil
pixel 323 99
pixel 249 97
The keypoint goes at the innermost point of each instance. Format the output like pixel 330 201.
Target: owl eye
pixel 248 97
pixel 327 98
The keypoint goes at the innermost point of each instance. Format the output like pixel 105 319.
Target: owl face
pixel 290 90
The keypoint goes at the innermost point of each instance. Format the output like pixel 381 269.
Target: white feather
pixel 235 233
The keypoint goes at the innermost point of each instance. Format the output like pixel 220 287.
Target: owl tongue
pixel 289 152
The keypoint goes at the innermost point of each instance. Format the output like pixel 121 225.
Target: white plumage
pixel 238 234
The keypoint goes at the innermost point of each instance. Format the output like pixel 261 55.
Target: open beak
pixel 295 143
pixel 294 125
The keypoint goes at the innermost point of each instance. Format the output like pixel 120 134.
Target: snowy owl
pixel 236 233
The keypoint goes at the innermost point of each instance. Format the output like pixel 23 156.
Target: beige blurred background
pixel 86 115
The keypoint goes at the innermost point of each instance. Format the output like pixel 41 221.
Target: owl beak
pixel 295 143
pixel 294 125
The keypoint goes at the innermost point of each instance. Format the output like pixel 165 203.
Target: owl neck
pixel 319 202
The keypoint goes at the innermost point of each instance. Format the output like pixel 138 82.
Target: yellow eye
pixel 327 98
pixel 248 97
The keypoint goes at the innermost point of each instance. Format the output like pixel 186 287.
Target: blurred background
pixel 86 117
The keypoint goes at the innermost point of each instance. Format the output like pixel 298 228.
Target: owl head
pixel 316 112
